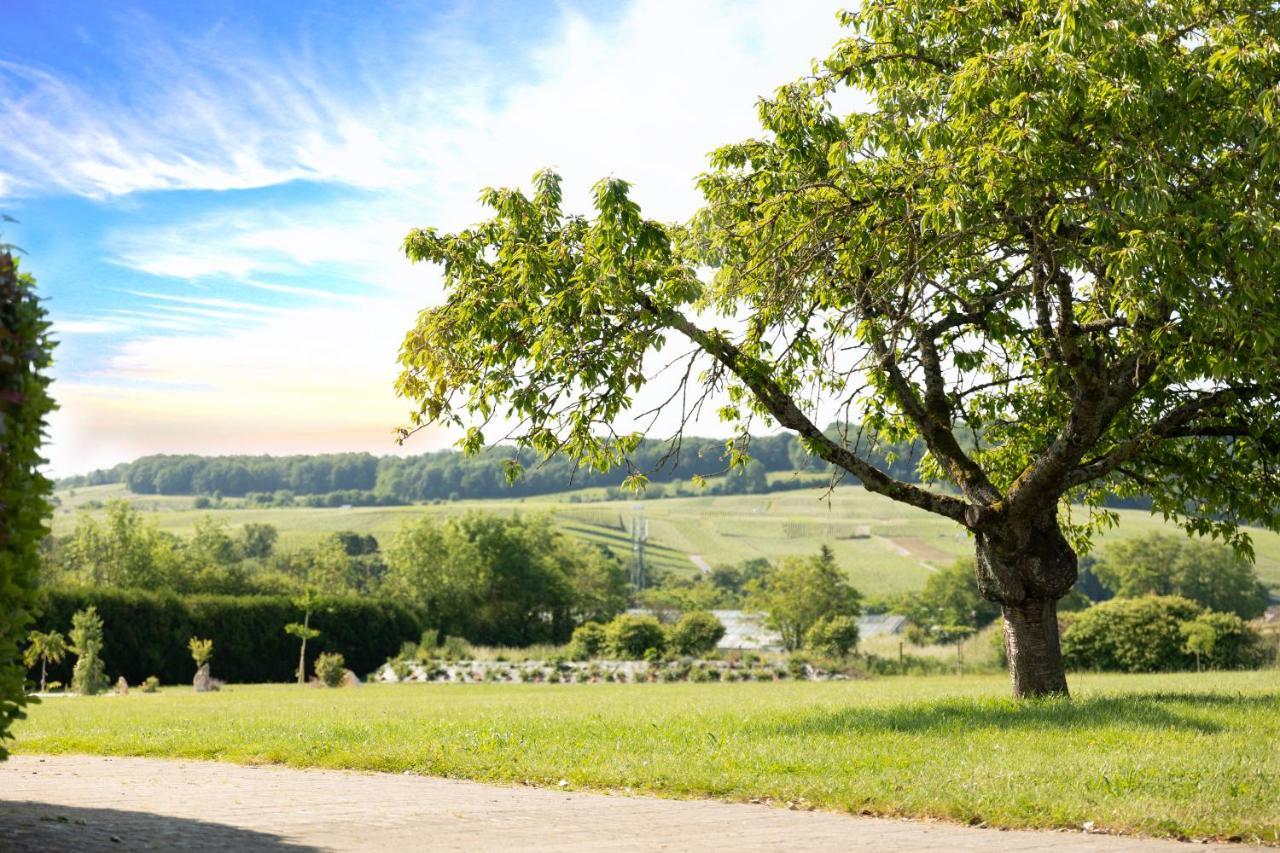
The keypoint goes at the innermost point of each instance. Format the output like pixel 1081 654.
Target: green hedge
pixel 146 633
pixel 24 504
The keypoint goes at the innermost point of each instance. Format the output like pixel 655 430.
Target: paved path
pixel 65 803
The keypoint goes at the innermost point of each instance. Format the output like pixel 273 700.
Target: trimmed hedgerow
pixel 146 633
pixel 24 493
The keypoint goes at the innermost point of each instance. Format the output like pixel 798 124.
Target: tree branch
pixel 757 376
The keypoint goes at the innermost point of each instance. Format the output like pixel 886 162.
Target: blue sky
pixel 212 194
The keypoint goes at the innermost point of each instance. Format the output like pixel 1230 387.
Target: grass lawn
pixel 1181 755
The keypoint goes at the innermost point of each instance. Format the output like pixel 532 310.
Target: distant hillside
pixel 364 479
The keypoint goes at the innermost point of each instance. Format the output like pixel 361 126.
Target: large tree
pixel 1050 228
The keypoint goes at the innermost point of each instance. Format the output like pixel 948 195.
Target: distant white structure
pixel 745 631
pixel 880 624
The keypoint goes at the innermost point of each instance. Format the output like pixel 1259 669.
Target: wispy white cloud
pixel 209 302
pixel 88 327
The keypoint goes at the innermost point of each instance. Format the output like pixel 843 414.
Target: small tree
pixel 258 540
pixel 303 631
pixel 695 633
pixel 1198 639
pixel 88 676
pixel 46 649
pixel 201 650
pixel 801 591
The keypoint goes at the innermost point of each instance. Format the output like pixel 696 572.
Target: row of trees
pixel 511 580
pixel 363 478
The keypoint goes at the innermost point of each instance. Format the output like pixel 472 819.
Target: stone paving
pixel 85 803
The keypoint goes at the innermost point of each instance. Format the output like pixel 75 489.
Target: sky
pixel 212 195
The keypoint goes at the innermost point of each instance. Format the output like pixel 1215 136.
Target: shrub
pixel 589 641
pixel 151 685
pixel 695 633
pixel 330 668
pixel 24 490
pixel 147 632
pixel 833 635
pixel 89 677
pixel 635 636
pixel 1130 635
pixel 455 648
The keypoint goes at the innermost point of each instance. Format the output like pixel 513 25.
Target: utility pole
pixel 639 536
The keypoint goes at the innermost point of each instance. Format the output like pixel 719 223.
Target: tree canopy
pixel 1051 227
pixel 1208 574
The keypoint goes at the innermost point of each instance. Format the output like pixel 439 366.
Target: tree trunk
pixel 302 655
pixel 1026 566
pixel 44 664
pixel 1031 641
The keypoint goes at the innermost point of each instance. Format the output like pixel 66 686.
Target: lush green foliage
pixel 201 650
pixel 834 635
pixel 1174 755
pixel 590 640
pixel 331 667
pixel 1205 572
pixel 949 599
pixel 147 633
pixel 503 581
pixel 88 676
pixel 633 635
pixel 695 633
pixel 24 492
pixel 1149 634
pixel 801 592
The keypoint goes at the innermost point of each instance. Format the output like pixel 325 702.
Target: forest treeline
pixel 362 478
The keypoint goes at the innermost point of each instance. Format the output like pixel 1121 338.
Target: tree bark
pixel 302 654
pixel 1026 565
pixel 1035 656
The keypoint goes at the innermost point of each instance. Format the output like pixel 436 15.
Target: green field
pixel 1183 755
pixel 886 547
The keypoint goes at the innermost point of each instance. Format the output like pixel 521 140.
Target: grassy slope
pixel 1197 758
pixel 720 529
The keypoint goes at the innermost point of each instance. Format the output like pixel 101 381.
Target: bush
pixel 635 636
pixel 151 685
pixel 146 633
pixel 1131 635
pixel 589 641
pixel 695 633
pixel 24 491
pixel 833 635
pixel 330 668
pixel 455 648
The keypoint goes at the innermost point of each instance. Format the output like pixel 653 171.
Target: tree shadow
pixel 1155 710
pixel 50 828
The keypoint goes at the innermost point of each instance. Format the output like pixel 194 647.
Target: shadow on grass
pixel 1155 710
pixel 48 828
